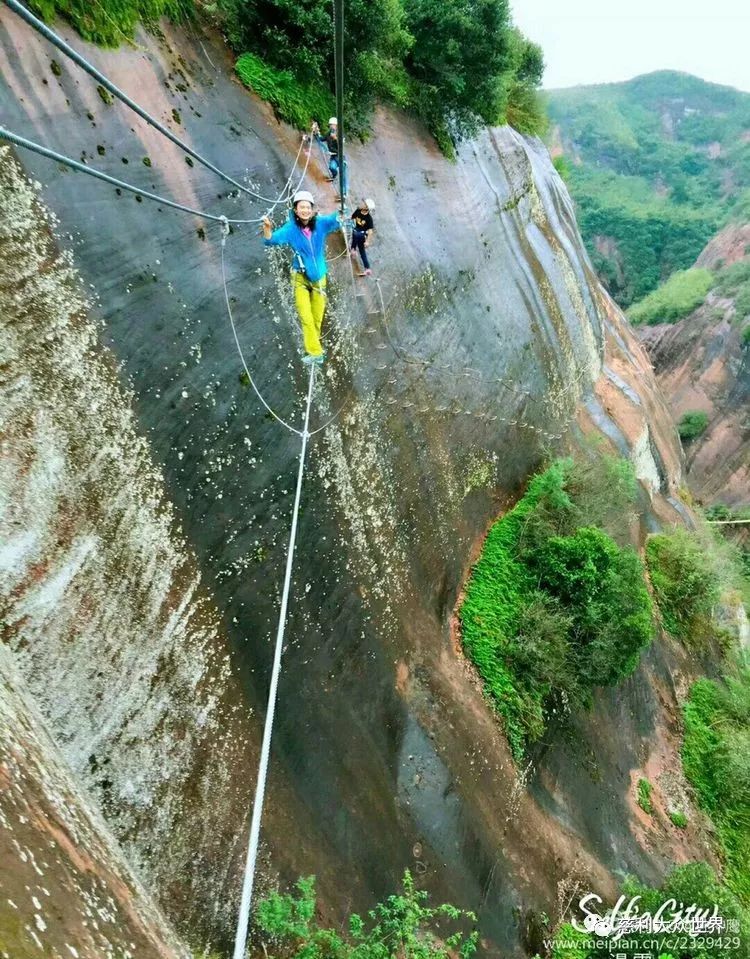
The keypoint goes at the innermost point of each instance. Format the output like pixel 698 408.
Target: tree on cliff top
pixel 457 63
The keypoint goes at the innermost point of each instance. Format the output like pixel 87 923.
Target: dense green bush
pixel 456 65
pixel 292 101
pixel 404 925
pixel 692 424
pixel 745 336
pixel 732 278
pixel 563 166
pixel 742 303
pixel 555 607
pixel 685 582
pixel 716 760
pixel 678 297
pixel 108 22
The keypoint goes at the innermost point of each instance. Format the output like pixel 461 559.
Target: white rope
pixel 224 234
pixel 260 787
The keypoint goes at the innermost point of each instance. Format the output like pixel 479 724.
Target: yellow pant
pixel 310 300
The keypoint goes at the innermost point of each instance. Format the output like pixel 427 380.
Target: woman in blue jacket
pixel 306 233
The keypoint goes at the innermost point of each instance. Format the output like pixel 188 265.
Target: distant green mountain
pixel 656 166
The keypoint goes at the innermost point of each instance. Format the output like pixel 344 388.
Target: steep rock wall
pixel 701 364
pixel 497 348
pixel 67 889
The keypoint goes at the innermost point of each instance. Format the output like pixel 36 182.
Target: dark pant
pixel 358 243
pixel 333 168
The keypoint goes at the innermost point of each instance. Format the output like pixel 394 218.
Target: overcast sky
pixel 598 41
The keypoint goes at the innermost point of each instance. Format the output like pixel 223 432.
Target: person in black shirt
pixel 362 229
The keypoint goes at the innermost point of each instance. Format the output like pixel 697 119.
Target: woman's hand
pixel 267 228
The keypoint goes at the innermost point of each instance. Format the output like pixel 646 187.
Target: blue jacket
pixel 310 252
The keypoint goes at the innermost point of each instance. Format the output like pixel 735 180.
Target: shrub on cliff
pixel 295 102
pixel 456 67
pixel 109 23
pixel 555 607
pixel 404 925
pixel 686 584
pixel 692 425
pixel 716 760
pixel 675 299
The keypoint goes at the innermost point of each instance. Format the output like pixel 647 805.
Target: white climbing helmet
pixel 333 122
pixel 303 195
pixel 370 204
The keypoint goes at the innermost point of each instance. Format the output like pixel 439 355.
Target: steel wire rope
pixel 292 429
pixel 20 141
pixel 260 786
pixel 338 63
pixel 254 839
pixel 72 54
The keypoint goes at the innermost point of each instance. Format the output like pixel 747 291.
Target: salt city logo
pixel 626 918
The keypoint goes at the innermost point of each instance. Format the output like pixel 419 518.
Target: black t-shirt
pixel 332 142
pixel 362 221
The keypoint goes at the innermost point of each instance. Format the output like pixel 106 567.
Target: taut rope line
pixel 260 788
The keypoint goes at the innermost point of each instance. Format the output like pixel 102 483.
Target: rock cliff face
pixel 67 889
pixel 702 364
pixel 147 499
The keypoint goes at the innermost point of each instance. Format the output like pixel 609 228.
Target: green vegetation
pixel 692 425
pixel 109 22
pixel 563 166
pixel 679 819
pixel 457 67
pixel 555 607
pixel 716 760
pixel 656 153
pixel 745 337
pixel 686 584
pixel 675 299
pixel 695 883
pixel 732 279
pixel 644 796
pixel 404 925
pixel 293 101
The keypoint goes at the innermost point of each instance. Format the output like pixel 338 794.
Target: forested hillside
pixel 656 166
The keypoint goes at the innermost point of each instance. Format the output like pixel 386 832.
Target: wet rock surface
pixel 67 891
pixel 702 365
pixel 496 348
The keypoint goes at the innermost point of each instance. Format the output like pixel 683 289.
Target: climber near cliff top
pixel 331 140
pixel 306 232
